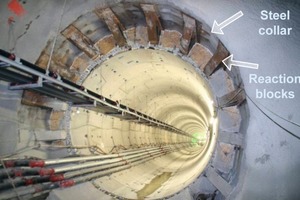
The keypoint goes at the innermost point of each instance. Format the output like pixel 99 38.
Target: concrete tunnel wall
pixel 183 99
pixel 265 159
pixel 165 99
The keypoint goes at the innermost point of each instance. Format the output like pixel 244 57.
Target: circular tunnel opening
pixel 172 75
pixel 165 87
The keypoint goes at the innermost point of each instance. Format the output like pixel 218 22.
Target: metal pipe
pixel 30 181
pixel 18 172
pixel 68 175
pixel 101 173
pixel 38 164
pixel 75 159
pixel 28 190
pixel 66 183
pixel 43 163
pixel 47 171
pixel 97 163
pixel 92 169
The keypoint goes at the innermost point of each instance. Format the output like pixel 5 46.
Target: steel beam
pixel 38 84
pixel 81 41
pixel 113 24
pixel 233 98
pixel 153 23
pixel 214 63
pixel 222 185
pixel 189 31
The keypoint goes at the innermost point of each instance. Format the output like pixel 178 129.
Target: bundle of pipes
pixel 29 177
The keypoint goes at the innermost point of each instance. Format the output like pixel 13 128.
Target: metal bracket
pixel 4 64
pixel 94 104
pixel 38 84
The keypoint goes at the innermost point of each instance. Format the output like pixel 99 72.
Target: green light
pixel 198 137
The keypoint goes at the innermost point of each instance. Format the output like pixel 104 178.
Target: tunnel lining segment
pixel 97 100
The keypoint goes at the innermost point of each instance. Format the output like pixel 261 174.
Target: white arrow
pixel 229 62
pixel 217 28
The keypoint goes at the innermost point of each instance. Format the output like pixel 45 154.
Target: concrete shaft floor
pixel 160 59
